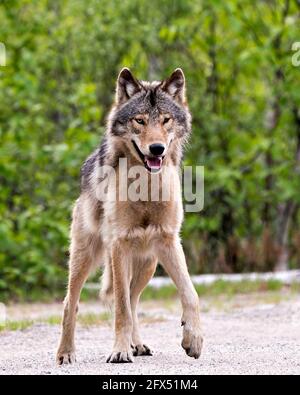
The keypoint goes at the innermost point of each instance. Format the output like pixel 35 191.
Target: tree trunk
pixel 271 122
pixel 285 210
pixel 272 119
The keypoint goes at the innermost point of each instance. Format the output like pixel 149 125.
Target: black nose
pixel 157 149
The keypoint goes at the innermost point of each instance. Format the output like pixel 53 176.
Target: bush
pixel 62 61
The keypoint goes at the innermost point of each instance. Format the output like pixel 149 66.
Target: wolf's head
pixel 151 119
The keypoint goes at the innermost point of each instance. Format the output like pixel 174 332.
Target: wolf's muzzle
pixel 154 162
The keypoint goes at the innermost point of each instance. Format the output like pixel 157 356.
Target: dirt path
pixel 261 339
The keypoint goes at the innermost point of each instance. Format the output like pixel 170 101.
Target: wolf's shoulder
pixel 97 158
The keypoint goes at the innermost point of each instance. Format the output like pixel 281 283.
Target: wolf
pixel 148 126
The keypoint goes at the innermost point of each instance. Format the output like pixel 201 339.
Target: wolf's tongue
pixel 154 163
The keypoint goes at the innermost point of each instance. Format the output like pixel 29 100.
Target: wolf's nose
pixel 157 149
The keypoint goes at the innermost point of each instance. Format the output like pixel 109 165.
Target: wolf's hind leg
pixel 121 259
pixel 107 289
pixel 84 254
pixel 142 273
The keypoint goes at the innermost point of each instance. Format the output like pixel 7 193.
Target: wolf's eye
pixel 166 120
pixel 140 121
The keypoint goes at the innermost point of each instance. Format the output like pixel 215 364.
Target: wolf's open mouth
pixel 151 163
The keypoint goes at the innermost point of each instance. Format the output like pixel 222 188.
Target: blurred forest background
pixel 63 57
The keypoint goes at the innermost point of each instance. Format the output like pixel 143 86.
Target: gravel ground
pixel 260 339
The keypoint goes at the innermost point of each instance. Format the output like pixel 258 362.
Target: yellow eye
pixel 140 121
pixel 166 120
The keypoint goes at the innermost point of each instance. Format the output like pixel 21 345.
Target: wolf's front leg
pixel 171 256
pixel 82 259
pixel 121 266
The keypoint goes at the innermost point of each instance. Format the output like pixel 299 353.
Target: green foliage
pixel 85 320
pixel 62 60
pixel 16 325
pixel 219 287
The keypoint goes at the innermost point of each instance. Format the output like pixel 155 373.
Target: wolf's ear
pixel 175 85
pixel 127 86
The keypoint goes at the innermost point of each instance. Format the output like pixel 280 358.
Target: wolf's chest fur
pixel 142 220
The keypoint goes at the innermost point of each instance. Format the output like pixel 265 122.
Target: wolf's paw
pixel 120 357
pixel 141 349
pixel 65 358
pixel 192 341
